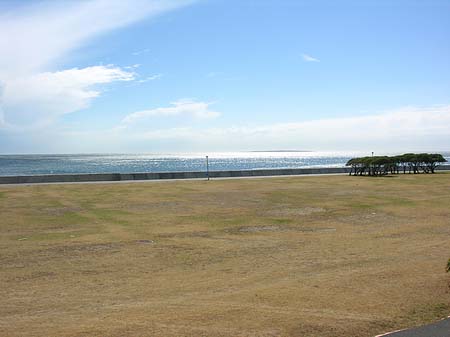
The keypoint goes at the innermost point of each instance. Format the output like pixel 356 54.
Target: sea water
pixel 134 163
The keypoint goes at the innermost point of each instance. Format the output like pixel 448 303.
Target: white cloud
pixel 309 58
pixel 179 108
pixel 212 74
pixel 134 66
pixel 411 128
pixel 36 100
pixel 150 78
pixel 34 36
pixel 405 129
pixel 2 120
pixel 140 52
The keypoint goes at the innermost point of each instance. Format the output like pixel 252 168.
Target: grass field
pixel 296 256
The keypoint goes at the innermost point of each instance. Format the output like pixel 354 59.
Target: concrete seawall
pixel 61 178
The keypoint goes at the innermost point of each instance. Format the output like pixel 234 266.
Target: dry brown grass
pixel 297 256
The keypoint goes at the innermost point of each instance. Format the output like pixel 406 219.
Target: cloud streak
pixel 150 78
pixel 140 52
pixel 309 58
pixel 36 36
pixel 179 108
pixel 406 128
pixel 36 100
pixel 32 38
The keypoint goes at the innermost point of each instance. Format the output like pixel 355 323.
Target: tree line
pixel 408 162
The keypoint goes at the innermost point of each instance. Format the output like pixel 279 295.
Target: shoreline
pixel 164 176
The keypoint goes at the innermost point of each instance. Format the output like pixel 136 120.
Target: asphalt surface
pixel 438 329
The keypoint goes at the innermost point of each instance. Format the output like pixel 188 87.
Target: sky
pixel 155 76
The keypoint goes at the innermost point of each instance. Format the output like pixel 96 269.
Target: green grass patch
pixel 72 218
pixel 283 221
pixel 57 235
pixel 109 215
pixel 361 205
pixel 429 313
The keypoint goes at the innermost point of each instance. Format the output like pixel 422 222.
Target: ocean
pixel 11 165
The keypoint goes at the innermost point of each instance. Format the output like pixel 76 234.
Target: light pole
pixel 207 167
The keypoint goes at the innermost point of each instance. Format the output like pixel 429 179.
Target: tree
pixel 434 160
pixel 381 165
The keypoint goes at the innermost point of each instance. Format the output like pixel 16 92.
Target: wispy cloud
pixel 150 78
pixel 37 35
pixel 2 120
pixel 140 52
pixel 134 66
pixel 36 100
pixel 179 108
pixel 212 74
pixel 309 58
pixel 405 128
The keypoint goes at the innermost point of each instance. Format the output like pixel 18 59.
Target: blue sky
pixel 216 75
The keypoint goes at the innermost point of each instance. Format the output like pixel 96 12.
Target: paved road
pixel 438 329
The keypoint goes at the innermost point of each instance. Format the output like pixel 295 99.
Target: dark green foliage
pixel 381 165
